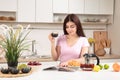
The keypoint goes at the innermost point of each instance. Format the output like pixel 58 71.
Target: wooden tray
pixel 17 75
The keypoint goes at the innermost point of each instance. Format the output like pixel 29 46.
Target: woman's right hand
pixel 63 64
pixel 52 39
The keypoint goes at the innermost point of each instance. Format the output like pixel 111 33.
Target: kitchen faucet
pixel 34 52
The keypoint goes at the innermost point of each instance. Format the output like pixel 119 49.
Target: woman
pixel 72 45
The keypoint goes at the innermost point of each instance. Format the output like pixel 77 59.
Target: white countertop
pixel 60 75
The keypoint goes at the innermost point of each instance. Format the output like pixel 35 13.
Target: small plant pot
pixel 12 65
pixel 107 50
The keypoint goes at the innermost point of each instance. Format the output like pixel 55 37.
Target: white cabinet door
pixel 8 5
pixel 91 6
pixel 60 6
pixel 76 6
pixel 44 11
pixel 106 6
pixel 26 11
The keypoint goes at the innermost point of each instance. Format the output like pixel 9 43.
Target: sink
pixel 36 56
pixel 45 56
pixel 30 56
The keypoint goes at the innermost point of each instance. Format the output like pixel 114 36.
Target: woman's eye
pixel 73 26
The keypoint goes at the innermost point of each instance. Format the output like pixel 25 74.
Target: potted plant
pixel 13 42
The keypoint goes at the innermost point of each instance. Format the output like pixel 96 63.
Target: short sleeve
pixel 85 42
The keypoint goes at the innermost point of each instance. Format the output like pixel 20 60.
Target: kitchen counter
pixel 105 57
pixel 111 56
pixel 39 74
pixel 2 60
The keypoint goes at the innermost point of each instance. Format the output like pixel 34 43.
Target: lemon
pixel 96 68
pixel 106 66
pixel 101 66
pixel 22 66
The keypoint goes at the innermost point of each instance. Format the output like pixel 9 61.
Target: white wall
pixel 114 30
pixel 41 35
pixel 40 32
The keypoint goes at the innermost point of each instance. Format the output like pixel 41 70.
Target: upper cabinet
pixel 44 11
pixel 34 11
pixel 51 10
pixel 8 5
pixel 68 6
pixel 83 6
pixel 60 6
pixel 26 11
pixel 99 6
pixel 91 6
pixel 76 6
pixel 106 6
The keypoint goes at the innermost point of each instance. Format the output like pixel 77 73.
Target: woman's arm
pixel 83 51
pixel 55 50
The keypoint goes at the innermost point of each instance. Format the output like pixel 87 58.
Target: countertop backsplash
pixel 42 45
pixel 40 32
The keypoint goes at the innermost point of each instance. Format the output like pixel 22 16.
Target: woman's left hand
pixel 65 64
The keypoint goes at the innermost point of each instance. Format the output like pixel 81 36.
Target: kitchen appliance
pixel 88 64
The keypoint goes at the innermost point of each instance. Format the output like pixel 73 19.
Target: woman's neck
pixel 72 36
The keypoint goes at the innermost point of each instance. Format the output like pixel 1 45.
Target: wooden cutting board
pixel 98 36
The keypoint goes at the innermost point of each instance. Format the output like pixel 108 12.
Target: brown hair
pixel 75 19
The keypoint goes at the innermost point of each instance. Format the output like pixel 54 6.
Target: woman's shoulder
pixel 84 40
pixel 62 36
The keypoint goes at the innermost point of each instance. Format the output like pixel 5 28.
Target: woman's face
pixel 71 28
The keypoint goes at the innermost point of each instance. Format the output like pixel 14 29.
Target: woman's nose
pixel 70 28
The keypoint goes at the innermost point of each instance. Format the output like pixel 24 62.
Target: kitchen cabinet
pixel 8 5
pixel 60 6
pixel 76 6
pixel 68 6
pixel 34 11
pixel 106 6
pixel 44 11
pixel 91 6
pixel 26 11
pixel 99 6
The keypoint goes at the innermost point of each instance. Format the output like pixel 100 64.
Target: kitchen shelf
pixel 110 56
pixel 95 23
pixel 88 23
pixel 83 23
pixel 1 21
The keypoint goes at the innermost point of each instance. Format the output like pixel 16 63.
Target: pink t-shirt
pixel 71 52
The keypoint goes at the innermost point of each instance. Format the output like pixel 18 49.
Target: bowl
pixel 103 20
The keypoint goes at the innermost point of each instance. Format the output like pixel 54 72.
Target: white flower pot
pixel 107 50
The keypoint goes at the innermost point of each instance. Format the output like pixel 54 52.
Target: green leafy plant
pixel 13 42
